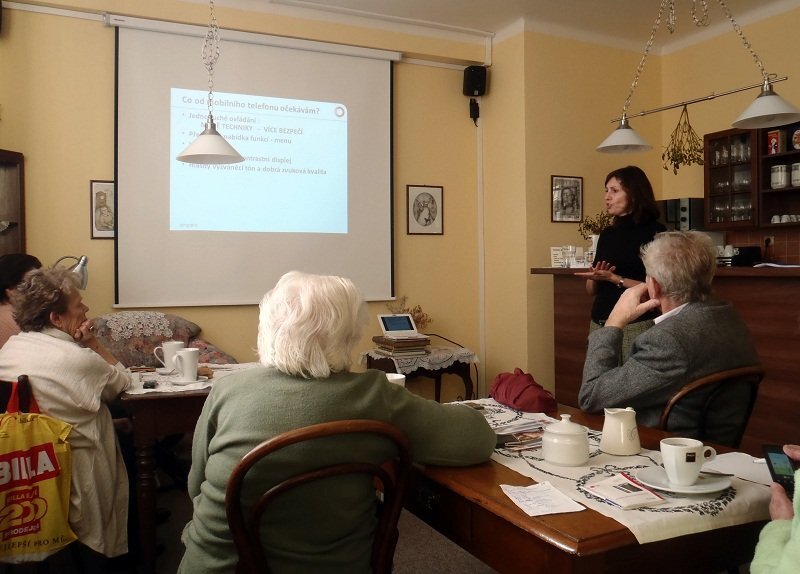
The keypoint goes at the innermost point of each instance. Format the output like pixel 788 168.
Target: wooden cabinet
pixel 731 179
pixel 12 206
pixel 779 199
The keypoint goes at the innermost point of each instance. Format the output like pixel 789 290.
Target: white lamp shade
pixel 768 110
pixel 624 139
pixel 210 148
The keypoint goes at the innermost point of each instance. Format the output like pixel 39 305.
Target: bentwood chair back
pixel 724 400
pixel 391 477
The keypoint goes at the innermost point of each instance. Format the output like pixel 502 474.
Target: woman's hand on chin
pixel 84 334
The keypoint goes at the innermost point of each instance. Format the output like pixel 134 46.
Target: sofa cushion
pixel 131 337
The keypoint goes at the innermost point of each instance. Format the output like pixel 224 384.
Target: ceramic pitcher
pixel 620 435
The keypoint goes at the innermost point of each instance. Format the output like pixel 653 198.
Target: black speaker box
pixel 474 80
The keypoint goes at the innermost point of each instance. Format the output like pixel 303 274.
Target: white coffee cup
pixel 186 365
pixel 775 219
pixel 785 218
pixel 683 458
pixel 397 379
pixel 167 357
pixel 730 251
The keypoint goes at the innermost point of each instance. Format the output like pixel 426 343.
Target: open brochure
pixel 623 491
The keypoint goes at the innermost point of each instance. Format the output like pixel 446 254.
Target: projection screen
pixel 314 123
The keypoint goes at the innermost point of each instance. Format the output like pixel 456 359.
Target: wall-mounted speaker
pixel 474 80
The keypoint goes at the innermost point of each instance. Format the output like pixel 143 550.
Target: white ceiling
pixel 625 22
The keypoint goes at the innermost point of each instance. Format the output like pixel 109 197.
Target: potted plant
pixel 591 227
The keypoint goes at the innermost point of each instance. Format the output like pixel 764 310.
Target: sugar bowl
pixel 565 443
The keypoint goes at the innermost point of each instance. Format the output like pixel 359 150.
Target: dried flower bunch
pixel 685 146
pixel 421 318
pixel 594 225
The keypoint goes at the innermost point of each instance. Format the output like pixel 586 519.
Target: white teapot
pixel 620 435
pixel 565 443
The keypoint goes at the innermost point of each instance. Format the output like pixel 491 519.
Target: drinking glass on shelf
pixel 568 253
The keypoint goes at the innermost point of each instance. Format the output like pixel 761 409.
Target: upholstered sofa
pixel 132 335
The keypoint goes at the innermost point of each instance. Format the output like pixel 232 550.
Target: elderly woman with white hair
pixel 308 327
pixel 72 378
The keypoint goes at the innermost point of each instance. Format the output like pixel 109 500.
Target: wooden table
pixel 468 506
pixel 155 416
pixel 458 368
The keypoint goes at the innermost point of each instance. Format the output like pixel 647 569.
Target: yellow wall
pixel 550 102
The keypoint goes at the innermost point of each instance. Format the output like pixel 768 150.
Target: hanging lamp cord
pixel 668 7
pixel 210 53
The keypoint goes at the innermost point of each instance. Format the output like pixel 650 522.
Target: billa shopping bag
pixel 35 470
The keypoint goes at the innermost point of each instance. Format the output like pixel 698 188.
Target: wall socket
pixel 769 240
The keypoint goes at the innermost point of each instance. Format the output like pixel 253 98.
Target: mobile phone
pixel 781 467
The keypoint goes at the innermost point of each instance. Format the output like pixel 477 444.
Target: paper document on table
pixel 742 465
pixel 540 499
pixel 620 490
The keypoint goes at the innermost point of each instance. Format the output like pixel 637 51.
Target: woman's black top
pixel 619 245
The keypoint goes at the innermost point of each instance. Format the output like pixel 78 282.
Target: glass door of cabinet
pixel 730 182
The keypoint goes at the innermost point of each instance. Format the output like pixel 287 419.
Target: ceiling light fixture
pixel 210 147
pixel 768 110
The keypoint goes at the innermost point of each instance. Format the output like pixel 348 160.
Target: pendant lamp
pixel 210 147
pixel 768 110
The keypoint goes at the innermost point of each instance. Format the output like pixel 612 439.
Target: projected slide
pixel 293 179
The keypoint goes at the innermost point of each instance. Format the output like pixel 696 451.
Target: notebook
pixel 399 326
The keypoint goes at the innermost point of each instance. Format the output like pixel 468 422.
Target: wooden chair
pixel 718 387
pixel 393 477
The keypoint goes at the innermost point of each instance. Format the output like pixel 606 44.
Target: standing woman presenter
pixel 617 265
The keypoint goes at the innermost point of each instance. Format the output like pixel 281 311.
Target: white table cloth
pixel 167 383
pixel 742 502
pixel 438 358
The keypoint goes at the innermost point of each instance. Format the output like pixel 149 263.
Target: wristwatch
pixel 621 283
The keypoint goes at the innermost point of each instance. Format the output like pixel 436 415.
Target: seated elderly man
pixel 693 337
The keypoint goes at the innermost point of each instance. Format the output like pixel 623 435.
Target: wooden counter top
pixel 721 271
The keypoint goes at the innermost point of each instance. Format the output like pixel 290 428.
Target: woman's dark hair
pixel 641 200
pixel 13 268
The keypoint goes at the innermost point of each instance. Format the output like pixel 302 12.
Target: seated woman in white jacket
pixel 73 377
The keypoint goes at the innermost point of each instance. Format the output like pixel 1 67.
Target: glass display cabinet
pixel 731 182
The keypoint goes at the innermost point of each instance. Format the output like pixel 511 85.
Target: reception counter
pixel 767 298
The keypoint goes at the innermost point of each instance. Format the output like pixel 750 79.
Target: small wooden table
pixel 428 367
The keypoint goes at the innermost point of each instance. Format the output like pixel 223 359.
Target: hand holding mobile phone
pixel 781 467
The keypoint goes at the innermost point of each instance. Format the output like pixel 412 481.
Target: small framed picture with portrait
pixel 101 201
pixel 425 210
pixel 567 198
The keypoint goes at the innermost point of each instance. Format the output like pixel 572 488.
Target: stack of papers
pixel 623 491
pixel 523 434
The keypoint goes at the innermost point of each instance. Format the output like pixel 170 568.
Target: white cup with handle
pixel 397 379
pixel 683 458
pixel 186 365
pixel 168 349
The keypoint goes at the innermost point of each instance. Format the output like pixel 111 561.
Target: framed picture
pixel 425 210
pixel 567 198
pixel 102 213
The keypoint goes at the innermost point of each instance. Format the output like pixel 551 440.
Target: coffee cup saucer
pixel 164 371
pixel 200 379
pixel 656 477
